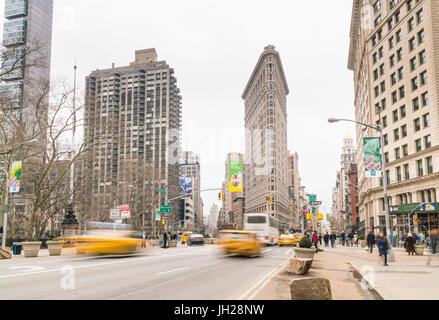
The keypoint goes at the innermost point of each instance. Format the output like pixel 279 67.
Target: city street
pixel 194 273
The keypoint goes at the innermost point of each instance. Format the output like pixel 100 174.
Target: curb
pixel 374 288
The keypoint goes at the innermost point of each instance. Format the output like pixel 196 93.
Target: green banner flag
pixel 235 181
pixel 372 157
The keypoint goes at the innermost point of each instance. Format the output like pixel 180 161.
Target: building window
pixel 420 168
pixel 429 161
pixel 386 139
pixel 403 112
pixel 398 36
pixel 383 86
pixel 415 104
pixel 375 58
pixel 385 122
pixel 412 44
pixel 391 42
pixel 399 54
pixel 426 118
pixel 386 157
pixel 401 73
pixel 393 78
pixel 394 97
pixel 410 5
pixel 427 141
pixel 393 3
pixel 399 174
pixel 396 134
pixel 397 153
pixel 413 64
pixel 415 84
pixel 418 145
pixel 406 172
pixel 390 24
pixel 405 150
pixel 392 60
pixel 381 69
pixel 383 104
pixel 377 6
pixel 401 92
pixel 420 16
pixel 395 116
pixel 377 21
pixel 424 78
pixel 411 24
pixel 404 131
pixel 424 99
pixel 422 57
pixel 417 124
pixel 421 37
pixel 375 74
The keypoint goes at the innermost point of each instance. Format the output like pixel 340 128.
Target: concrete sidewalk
pixel 327 265
pixel 409 278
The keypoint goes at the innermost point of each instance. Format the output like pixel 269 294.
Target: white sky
pixel 213 47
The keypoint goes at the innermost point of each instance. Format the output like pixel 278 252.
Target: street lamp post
pixel 383 165
pixel 5 215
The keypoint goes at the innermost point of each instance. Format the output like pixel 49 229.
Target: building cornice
pixel 355 20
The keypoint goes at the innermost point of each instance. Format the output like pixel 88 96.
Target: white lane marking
pixel 172 271
pixel 261 283
pixel 84 267
pixel 27 268
pixel 267 250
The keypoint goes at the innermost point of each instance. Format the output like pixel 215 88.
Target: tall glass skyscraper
pixel 28 24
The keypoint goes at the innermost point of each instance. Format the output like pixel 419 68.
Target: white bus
pixel 264 226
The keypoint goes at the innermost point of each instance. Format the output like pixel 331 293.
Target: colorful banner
pixel 15 177
pixel 235 175
pixel 125 212
pixel 372 157
pixel 185 185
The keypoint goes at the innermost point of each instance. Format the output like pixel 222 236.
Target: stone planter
pixel 302 253
pixel 363 243
pixel 55 247
pixel 154 243
pixel 31 249
pixel 419 250
pixel 173 244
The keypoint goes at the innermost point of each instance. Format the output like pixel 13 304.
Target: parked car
pixel 185 236
pixel 195 239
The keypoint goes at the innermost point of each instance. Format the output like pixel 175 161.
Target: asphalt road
pixel 185 273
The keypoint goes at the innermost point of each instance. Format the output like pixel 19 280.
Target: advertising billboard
pixel 125 212
pixel 185 185
pixel 372 157
pixel 235 176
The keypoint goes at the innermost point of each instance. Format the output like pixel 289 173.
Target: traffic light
pixel 223 196
pixel 271 199
pixel 219 196
pixel 268 199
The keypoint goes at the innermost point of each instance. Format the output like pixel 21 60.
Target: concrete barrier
pixel 310 289
pixel 300 266
pixel 5 253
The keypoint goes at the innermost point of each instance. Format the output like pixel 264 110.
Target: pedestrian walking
pixel 410 244
pixel 143 240
pixel 320 240
pixel 356 240
pixel 165 239
pixel 383 247
pixel 343 238
pixel 315 240
pixel 371 240
pixel 350 239
pixel 434 236
pixel 332 238
pixel 326 239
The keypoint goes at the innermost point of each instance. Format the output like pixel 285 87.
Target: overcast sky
pixel 213 47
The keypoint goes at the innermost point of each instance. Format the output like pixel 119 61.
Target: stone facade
pixel 394 55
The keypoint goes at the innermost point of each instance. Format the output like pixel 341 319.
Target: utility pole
pixel 5 216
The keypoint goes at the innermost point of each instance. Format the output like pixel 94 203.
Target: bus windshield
pixel 257 219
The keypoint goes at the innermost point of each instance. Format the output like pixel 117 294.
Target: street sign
pixel 161 191
pixel 313 198
pixel 125 212
pixel 166 209
pixel 115 214
pixel 316 203
pixel 158 217
pixel 428 207
pixel 417 220
pixel 321 217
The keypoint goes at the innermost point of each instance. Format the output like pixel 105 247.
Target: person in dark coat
pixel 332 238
pixel 326 239
pixel 371 240
pixel 383 247
pixel 410 244
pixel 165 240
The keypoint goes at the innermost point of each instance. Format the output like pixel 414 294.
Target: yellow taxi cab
pixel 287 240
pixel 298 237
pixel 240 243
pixel 186 236
pixel 107 238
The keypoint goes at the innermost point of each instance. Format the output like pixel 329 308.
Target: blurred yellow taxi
pixel 108 238
pixel 185 236
pixel 240 243
pixel 287 240
pixel 298 237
